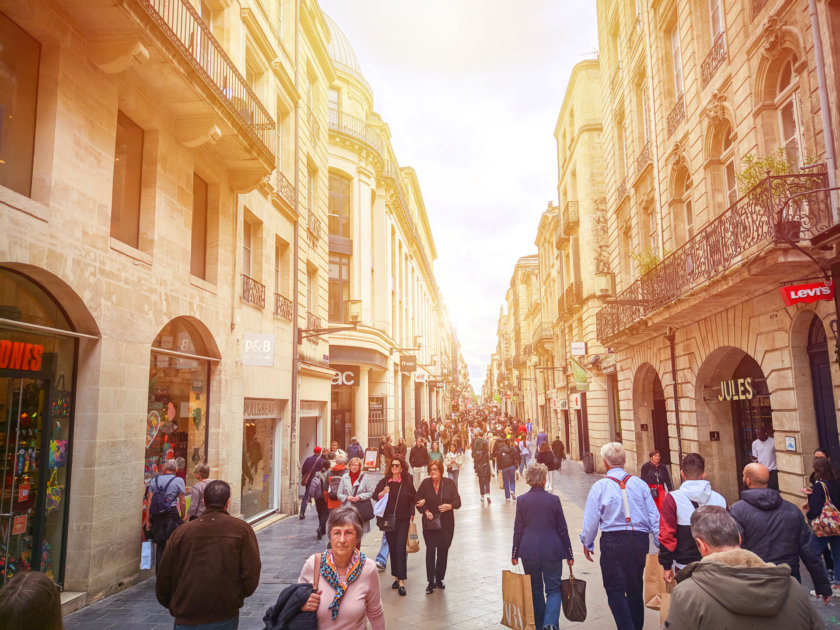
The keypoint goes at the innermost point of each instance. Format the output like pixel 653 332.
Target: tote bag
pixel 412 543
pixel 573 593
pixel 517 601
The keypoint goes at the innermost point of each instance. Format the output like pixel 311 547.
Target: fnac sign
pixel 807 293
pixel 19 355
pixel 346 375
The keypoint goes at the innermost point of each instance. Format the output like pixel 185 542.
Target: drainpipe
pixel 293 406
pixel 825 113
pixel 671 341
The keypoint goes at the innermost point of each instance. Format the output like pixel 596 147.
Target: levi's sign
pixel 807 293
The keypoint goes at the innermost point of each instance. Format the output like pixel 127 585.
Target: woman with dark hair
pixel 552 464
pixel 657 476
pixel 401 449
pixel 30 600
pixel 437 497
pixel 481 464
pixel 826 488
pixel 398 486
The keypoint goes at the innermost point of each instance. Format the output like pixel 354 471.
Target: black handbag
pixel 573 593
pixel 432 524
pixel 365 507
pixel 386 523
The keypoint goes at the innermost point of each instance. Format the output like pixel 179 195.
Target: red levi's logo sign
pixel 17 355
pixel 807 293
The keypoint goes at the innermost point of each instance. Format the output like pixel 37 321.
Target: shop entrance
pixel 823 391
pixel 650 415
pixel 750 411
pixel 659 420
pixel 33 478
pixel 343 401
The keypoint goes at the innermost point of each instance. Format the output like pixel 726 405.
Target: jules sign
pixel 807 293
pixel 736 389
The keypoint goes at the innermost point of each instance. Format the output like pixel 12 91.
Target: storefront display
pixel 261 420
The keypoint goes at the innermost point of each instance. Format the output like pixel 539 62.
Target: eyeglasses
pixel 396 466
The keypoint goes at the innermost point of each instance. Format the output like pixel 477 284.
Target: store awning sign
pixel 807 293
pixel 17 355
pixel 258 350
pixel 408 363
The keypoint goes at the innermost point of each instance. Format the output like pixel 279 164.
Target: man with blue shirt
pixel 620 505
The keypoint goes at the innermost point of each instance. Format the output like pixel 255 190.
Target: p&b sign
pixel 258 350
pixel 807 293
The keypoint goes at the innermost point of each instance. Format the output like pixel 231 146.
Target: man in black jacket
pixel 419 460
pixel 311 465
pixel 775 530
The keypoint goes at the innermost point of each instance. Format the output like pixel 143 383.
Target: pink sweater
pixel 360 604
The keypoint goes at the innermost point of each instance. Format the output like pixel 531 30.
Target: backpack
pixel 333 481
pixel 160 503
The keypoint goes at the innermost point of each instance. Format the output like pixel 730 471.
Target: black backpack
pixel 335 481
pixel 160 503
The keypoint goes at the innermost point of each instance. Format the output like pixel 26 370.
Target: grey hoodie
pixel 737 589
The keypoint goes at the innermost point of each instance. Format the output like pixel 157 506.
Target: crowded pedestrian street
pixel 473 595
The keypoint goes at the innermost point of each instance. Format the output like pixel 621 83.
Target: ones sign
pixel 18 355
pixel 807 293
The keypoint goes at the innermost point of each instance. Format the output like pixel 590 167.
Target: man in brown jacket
pixel 734 588
pixel 209 567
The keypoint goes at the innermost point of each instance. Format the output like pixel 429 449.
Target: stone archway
pixel 649 415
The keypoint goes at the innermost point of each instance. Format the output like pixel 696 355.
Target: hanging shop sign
pixel 577 401
pixel 807 293
pixel 420 377
pixel 18 355
pixel 578 348
pixel 736 389
pixel 258 350
pixel 408 363
pixel 347 375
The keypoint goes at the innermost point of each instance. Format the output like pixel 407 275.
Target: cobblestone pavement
pixel 472 598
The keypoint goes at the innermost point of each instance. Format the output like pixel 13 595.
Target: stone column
pixel 360 412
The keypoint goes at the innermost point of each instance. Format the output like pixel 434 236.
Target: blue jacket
pixel 540 530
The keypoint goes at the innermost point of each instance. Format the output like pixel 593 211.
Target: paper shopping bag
pixel 665 600
pixel 573 598
pixel 517 601
pixel 654 582
pixel 501 481
pixel 412 544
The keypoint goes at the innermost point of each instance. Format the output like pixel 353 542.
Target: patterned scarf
pixel 330 574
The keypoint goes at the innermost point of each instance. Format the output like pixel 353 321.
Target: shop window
pixel 339 285
pixel 20 56
pixel 339 205
pixel 178 405
pixel 198 250
pixel 261 418
pixel 128 168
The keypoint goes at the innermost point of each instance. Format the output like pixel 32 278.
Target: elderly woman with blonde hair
pixel 541 540
pixel 356 487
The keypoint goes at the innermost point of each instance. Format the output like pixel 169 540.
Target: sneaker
pixel 488 499
pixel 514 498
pixel 380 567
pixel 482 498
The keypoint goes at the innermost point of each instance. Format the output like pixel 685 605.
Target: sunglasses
pixel 396 465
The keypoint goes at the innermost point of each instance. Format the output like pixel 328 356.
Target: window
pixel 332 101
pixel 19 59
pixel 643 93
pixel 247 248
pixel 339 207
pixel 716 18
pixel 728 159
pixel 676 60
pixel 790 118
pixel 339 285
pixel 311 181
pixel 688 211
pixel 621 146
pixel 198 249
pixel 311 290
pixel 128 166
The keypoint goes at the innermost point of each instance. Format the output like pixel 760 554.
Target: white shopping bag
pixel 379 506
pixel 146 555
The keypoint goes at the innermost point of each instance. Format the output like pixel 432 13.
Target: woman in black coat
pixel 436 498
pixel 399 487
pixel 481 463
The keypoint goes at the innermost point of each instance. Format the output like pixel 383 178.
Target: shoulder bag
pixel 365 507
pixel 828 522
pixel 388 522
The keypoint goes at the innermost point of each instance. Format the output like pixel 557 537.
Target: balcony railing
pixel 189 33
pixel 677 114
pixel 622 191
pixel 713 60
pixel 754 219
pixel 284 187
pixel 282 307
pixel 572 296
pixel 253 292
pixel 643 159
pixel 312 322
pixel 542 332
pixel 313 224
pixel 354 127
pixel 569 217
pixel 757 6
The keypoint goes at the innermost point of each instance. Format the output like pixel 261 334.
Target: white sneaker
pixel 482 498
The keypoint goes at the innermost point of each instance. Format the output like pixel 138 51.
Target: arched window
pixel 789 113
pixel 682 210
pixel 721 166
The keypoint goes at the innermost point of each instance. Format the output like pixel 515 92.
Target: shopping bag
pixel 665 600
pixel 501 481
pixel 146 553
pixel 517 601
pixel 654 582
pixel 380 505
pixel 573 593
pixel 412 544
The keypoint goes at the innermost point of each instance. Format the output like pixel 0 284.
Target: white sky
pixel 471 90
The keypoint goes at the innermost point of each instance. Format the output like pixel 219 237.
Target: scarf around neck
pixel 330 574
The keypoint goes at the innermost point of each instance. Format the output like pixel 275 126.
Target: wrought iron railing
pixel 757 6
pixel 714 59
pixel 572 296
pixel 284 187
pixel 643 159
pixel 312 321
pixel 677 114
pixel 313 224
pixel 622 191
pixel 753 220
pixel 184 27
pixel 542 332
pixel 354 127
pixel 253 292
pixel 282 307
pixel 569 217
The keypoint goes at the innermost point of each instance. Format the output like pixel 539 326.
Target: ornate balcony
pixel 677 114
pixel 572 296
pixel 622 191
pixel 253 292
pixel 185 29
pixel 713 60
pixel 282 307
pixel 313 224
pixel 284 188
pixel 542 334
pixel 643 159
pixel 312 322
pixel 569 217
pixel 355 128
pixel 749 225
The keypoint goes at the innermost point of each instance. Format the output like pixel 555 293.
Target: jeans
pixel 228 624
pixel 382 555
pixel 304 502
pixel 523 462
pixel 622 568
pixel 453 475
pixel 546 607
pixel 509 480
pixel 832 542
